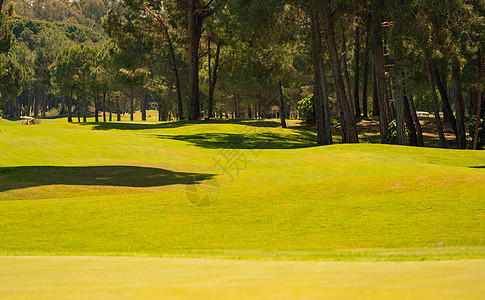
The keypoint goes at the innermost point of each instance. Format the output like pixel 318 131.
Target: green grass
pixel 176 278
pixel 295 219
pixel 159 190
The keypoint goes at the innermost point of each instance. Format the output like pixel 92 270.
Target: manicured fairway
pixel 193 193
pixel 144 278
pixel 233 189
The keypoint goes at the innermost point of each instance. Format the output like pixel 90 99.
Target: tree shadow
pixel 477 167
pixel 127 176
pixel 134 126
pixel 147 126
pixel 267 140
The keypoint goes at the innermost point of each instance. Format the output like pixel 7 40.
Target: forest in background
pixel 323 61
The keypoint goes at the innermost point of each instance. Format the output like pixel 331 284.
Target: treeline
pixel 256 59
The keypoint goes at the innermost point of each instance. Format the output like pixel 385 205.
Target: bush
pixel 392 132
pixel 481 131
pixel 305 106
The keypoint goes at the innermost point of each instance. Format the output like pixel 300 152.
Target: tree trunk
pixel 441 75
pixel 96 108
pixel 357 71
pixel 69 108
pixel 84 103
pixel 348 88
pixel 320 103
pixel 408 117
pixel 447 111
pixel 174 70
pixel 36 101
pixel 414 114
pixel 379 70
pixel 473 92
pixel 110 105
pixel 459 104
pixel 118 111
pixel 78 108
pixel 143 106
pixel 132 108
pixel 161 113
pixel 104 107
pixel 478 113
pixel 365 112
pixel 347 120
pixel 435 101
pixel 282 105
pixel 169 101
pixel 401 129
pixel 213 79
pixel 194 32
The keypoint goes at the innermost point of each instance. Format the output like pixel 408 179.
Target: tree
pixel 379 70
pixel 347 118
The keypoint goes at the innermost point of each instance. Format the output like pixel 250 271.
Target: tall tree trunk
pixel 357 71
pixel 412 107
pixel 132 108
pixel 348 88
pixel 478 113
pixel 213 78
pixel 447 111
pixel 282 105
pixel 379 69
pixel 365 112
pixel 413 136
pixel 110 105
pixel 169 100
pixel 69 108
pixel 320 103
pixel 441 74
pixel 375 97
pixel 459 104
pixel 473 92
pixel 36 102
pixel 104 107
pixel 401 130
pixel 96 108
pixel 84 103
pixel 194 32
pixel 143 106
pixel 118 109
pixel 347 119
pixel 435 101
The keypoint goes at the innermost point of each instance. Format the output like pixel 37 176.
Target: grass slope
pixel 233 189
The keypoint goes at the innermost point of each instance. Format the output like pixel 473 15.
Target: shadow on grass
pixel 297 139
pixel 127 176
pixel 146 126
pixel 477 167
pixel 134 126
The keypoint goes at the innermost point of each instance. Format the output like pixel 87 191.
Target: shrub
pixel 305 106
pixel 392 132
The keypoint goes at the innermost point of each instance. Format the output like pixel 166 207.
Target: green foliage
pixel 481 131
pixel 26 29
pixel 392 134
pixel 10 78
pixel 305 106
pixel 6 36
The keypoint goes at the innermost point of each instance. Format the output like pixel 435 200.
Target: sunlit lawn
pixel 238 189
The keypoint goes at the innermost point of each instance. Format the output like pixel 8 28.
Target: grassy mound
pixel 242 189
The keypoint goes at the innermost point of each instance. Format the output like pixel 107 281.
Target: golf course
pixel 234 209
